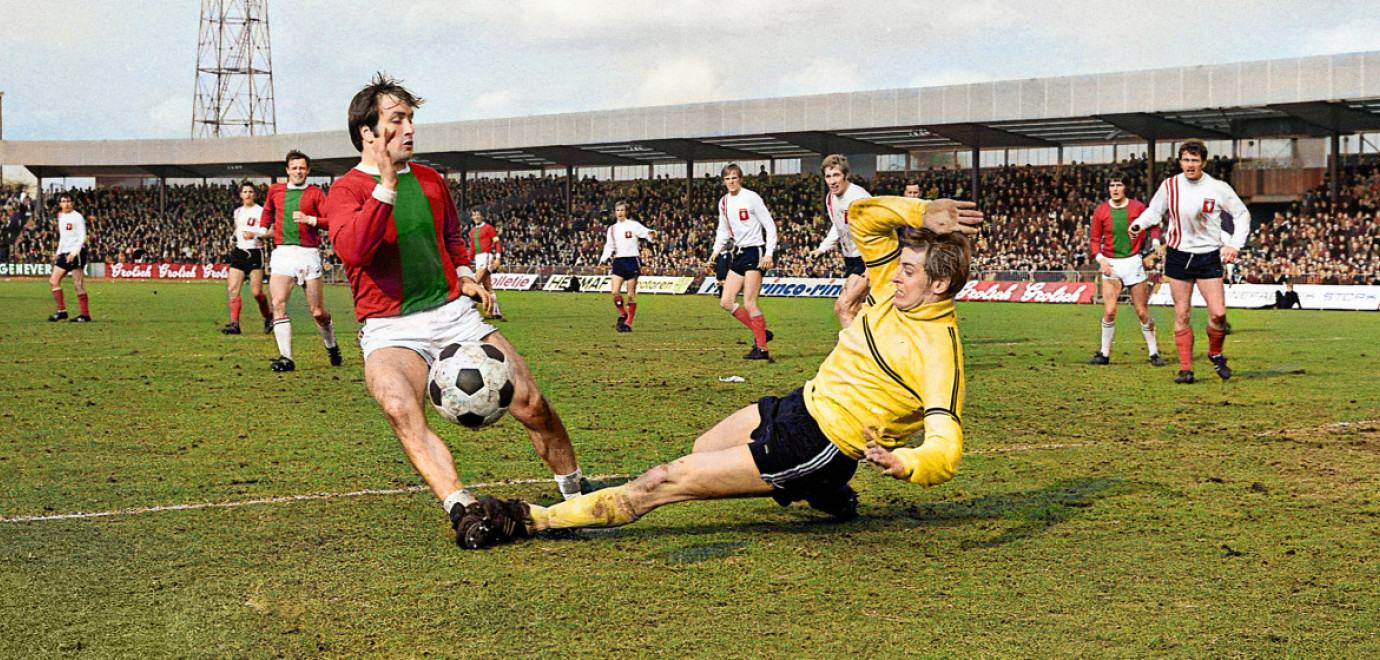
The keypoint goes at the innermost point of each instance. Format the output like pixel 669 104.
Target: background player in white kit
pixel 1192 203
pixel 620 242
pixel 247 259
pixel 842 193
pixel 487 253
pixel 744 219
pixel 70 257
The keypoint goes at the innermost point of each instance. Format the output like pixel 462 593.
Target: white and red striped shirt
pixel 745 219
pixel 247 219
pixel 621 240
pixel 838 216
pixel 1193 213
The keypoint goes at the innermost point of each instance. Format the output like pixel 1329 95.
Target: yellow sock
pixel 609 507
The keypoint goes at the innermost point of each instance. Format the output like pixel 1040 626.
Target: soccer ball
pixel 471 384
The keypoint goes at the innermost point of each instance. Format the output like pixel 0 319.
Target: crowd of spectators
pixel 1038 221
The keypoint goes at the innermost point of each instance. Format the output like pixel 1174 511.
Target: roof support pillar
pixel 977 174
pixel 689 183
pixel 1334 169
pixel 569 177
pixel 1150 183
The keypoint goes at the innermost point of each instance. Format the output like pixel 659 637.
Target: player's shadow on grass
pixel 1034 510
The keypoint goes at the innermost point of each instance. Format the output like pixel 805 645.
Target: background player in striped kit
pixel 487 251
pixel 396 229
pixel 70 257
pixel 247 258
pixel 1119 257
pixel 620 242
pixel 744 219
pixel 841 193
pixel 1192 203
pixel 292 211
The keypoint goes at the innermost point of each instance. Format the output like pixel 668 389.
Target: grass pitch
pixel 1099 511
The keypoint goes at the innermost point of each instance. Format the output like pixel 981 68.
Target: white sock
pixel 282 331
pixel 461 496
pixel 1108 331
pixel 327 334
pixel 569 484
pixel 1151 341
pixel 498 311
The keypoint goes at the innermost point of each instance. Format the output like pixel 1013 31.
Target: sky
pixel 122 70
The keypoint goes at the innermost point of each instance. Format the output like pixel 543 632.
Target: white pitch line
pixel 395 491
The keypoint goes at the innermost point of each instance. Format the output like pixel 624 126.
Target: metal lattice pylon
pixel 234 71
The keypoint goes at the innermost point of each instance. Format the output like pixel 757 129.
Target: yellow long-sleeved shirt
pixel 893 372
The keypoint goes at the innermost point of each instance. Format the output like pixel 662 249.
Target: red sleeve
pixel 360 219
pixel 1097 221
pixel 270 211
pixel 317 209
pixel 450 230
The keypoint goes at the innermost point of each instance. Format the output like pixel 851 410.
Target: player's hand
pixel 298 216
pixel 1106 269
pixel 378 150
pixel 1133 231
pixel 479 294
pixel 945 216
pixel 1229 254
pixel 883 458
pixel 766 263
pixel 248 235
pixel 814 254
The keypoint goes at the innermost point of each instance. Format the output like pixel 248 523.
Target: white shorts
pixel 299 263
pixel 485 261
pixel 427 331
pixel 1130 270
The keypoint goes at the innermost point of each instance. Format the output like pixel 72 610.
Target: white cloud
pixel 682 80
pixel 823 75
pixel 171 117
pixel 498 103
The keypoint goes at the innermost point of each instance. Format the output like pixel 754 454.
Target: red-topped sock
pixel 759 331
pixel 632 313
pixel 235 305
pixel 1184 340
pixel 263 305
pixel 83 304
pixel 741 314
pixel 1215 337
pixel 618 302
pixel 61 303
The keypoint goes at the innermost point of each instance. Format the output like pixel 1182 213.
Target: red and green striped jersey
pixel 1109 234
pixel 282 201
pixel 400 257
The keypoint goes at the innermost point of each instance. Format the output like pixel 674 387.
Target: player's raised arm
pixel 874 222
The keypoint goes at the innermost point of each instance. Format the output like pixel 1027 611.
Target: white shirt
pixel 1194 213
pixel 745 219
pixel 247 219
pixel 621 239
pixel 839 233
pixel 71 232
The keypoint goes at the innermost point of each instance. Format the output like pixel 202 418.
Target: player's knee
pixel 1108 318
pixel 322 316
pixel 727 305
pixel 401 412
pixel 1218 321
pixel 531 409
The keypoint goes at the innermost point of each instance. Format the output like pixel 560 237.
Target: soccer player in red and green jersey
pixel 396 229
pixel 1118 255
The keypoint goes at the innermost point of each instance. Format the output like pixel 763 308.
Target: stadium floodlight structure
pixel 234 71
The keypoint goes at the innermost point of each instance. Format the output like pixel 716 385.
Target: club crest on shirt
pixel 1209 205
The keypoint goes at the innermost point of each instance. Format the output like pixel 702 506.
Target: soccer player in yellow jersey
pixel 896 370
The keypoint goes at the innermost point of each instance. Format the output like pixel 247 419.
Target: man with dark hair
pixel 840 195
pixel 70 257
pixel 397 231
pixel 1120 259
pixel 293 212
pixel 1193 203
pixel 247 260
pixel 897 370
pixel 911 189
pixel 744 219
pixel 487 251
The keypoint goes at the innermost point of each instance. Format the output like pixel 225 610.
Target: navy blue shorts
pixel 854 266
pixel 793 454
pixel 627 267
pixel 247 260
pixel 746 259
pixel 1188 266
pixel 70 264
pixel 721 266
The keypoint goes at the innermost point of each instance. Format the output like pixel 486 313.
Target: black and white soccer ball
pixel 471 384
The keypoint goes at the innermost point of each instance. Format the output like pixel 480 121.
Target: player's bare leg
pixel 279 289
pixel 79 284
pixel 316 302
pixel 616 286
pixel 1214 294
pixel 850 299
pixel 702 475
pixel 397 378
pixel 484 277
pixel 734 430
pixel 752 286
pixel 728 293
pixel 1182 292
pixel 1140 299
pixel 256 291
pixel 55 286
pixel 1111 290
pixel 532 410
